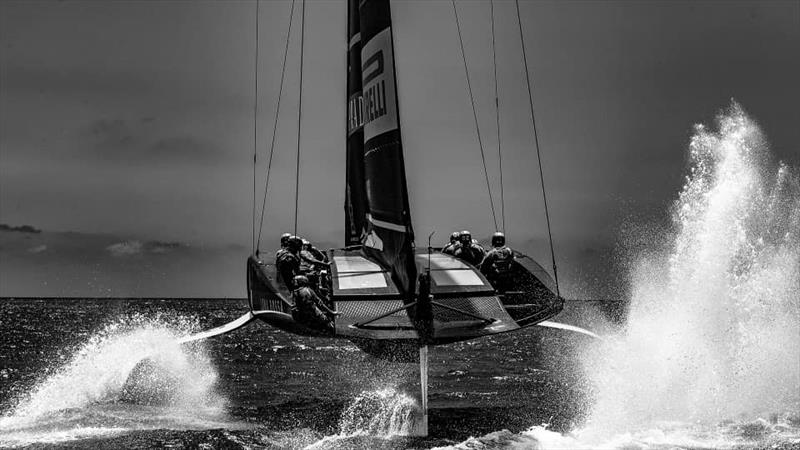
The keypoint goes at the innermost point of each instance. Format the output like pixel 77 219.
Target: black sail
pixel 389 238
pixel 355 207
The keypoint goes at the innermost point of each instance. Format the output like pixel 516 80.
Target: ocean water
pixel 707 354
pixel 72 373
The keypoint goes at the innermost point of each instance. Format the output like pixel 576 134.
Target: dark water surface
pixel 71 375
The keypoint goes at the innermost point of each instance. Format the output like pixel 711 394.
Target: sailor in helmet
pixel 468 249
pixel 288 261
pixel 497 264
pixel 451 247
pixel 318 254
pixel 308 308
pixel 308 261
pixel 284 241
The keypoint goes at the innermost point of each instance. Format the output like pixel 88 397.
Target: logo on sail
pixel 379 105
pixel 355 113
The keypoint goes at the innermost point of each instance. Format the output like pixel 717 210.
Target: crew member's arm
pixel 314 262
pixel 321 305
pixel 486 264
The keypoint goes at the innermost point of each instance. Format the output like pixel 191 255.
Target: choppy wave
pixel 132 375
pixel 373 419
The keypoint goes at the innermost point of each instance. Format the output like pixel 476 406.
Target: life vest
pixel 501 259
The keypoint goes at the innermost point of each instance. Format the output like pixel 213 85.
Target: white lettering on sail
pixel 355 113
pixel 379 94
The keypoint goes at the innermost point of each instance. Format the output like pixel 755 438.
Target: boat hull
pixel 465 305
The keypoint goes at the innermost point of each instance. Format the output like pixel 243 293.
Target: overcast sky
pixel 134 119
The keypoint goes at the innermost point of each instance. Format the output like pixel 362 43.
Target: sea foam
pixel 708 357
pixel 132 374
pixel 712 331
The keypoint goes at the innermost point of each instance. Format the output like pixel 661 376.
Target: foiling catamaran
pixel 395 300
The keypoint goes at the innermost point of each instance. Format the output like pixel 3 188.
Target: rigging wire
pixel 275 126
pixel 255 131
pixel 299 115
pixel 538 152
pixel 497 121
pixel 475 115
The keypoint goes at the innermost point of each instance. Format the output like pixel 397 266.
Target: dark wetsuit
pixel 309 263
pixel 472 254
pixel 450 248
pixel 496 266
pixel 306 310
pixel 318 254
pixel 288 265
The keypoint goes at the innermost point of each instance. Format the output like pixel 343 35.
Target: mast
pixel 355 206
pixel 389 238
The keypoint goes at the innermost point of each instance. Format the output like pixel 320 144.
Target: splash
pixel 709 355
pixel 712 333
pixel 374 419
pixel 386 412
pixel 131 375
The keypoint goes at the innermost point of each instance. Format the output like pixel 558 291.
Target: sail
pixel 389 238
pixel 355 207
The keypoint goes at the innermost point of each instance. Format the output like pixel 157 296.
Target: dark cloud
pixel 97 265
pixel 21 228
pixel 111 134
pixel 135 140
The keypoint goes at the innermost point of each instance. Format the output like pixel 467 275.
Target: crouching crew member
pixel 450 248
pixel 288 261
pixel 284 242
pixel 309 309
pixel 310 262
pixel 468 250
pixel 496 266
pixel 318 254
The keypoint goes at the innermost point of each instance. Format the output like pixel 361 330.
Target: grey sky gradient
pixel 134 118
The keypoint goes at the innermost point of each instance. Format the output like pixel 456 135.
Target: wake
pixel 132 375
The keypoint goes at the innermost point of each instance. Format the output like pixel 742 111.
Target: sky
pixel 127 128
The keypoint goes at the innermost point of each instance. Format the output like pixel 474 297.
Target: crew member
pixel 468 250
pixel 288 261
pixel 498 261
pixel 308 262
pixel 284 241
pixel 309 309
pixel 315 252
pixel 450 248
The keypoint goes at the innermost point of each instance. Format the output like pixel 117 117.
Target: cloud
pixel 138 140
pixel 112 136
pixel 125 248
pixel 37 249
pixel 21 228
pixel 134 247
pixel 163 247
